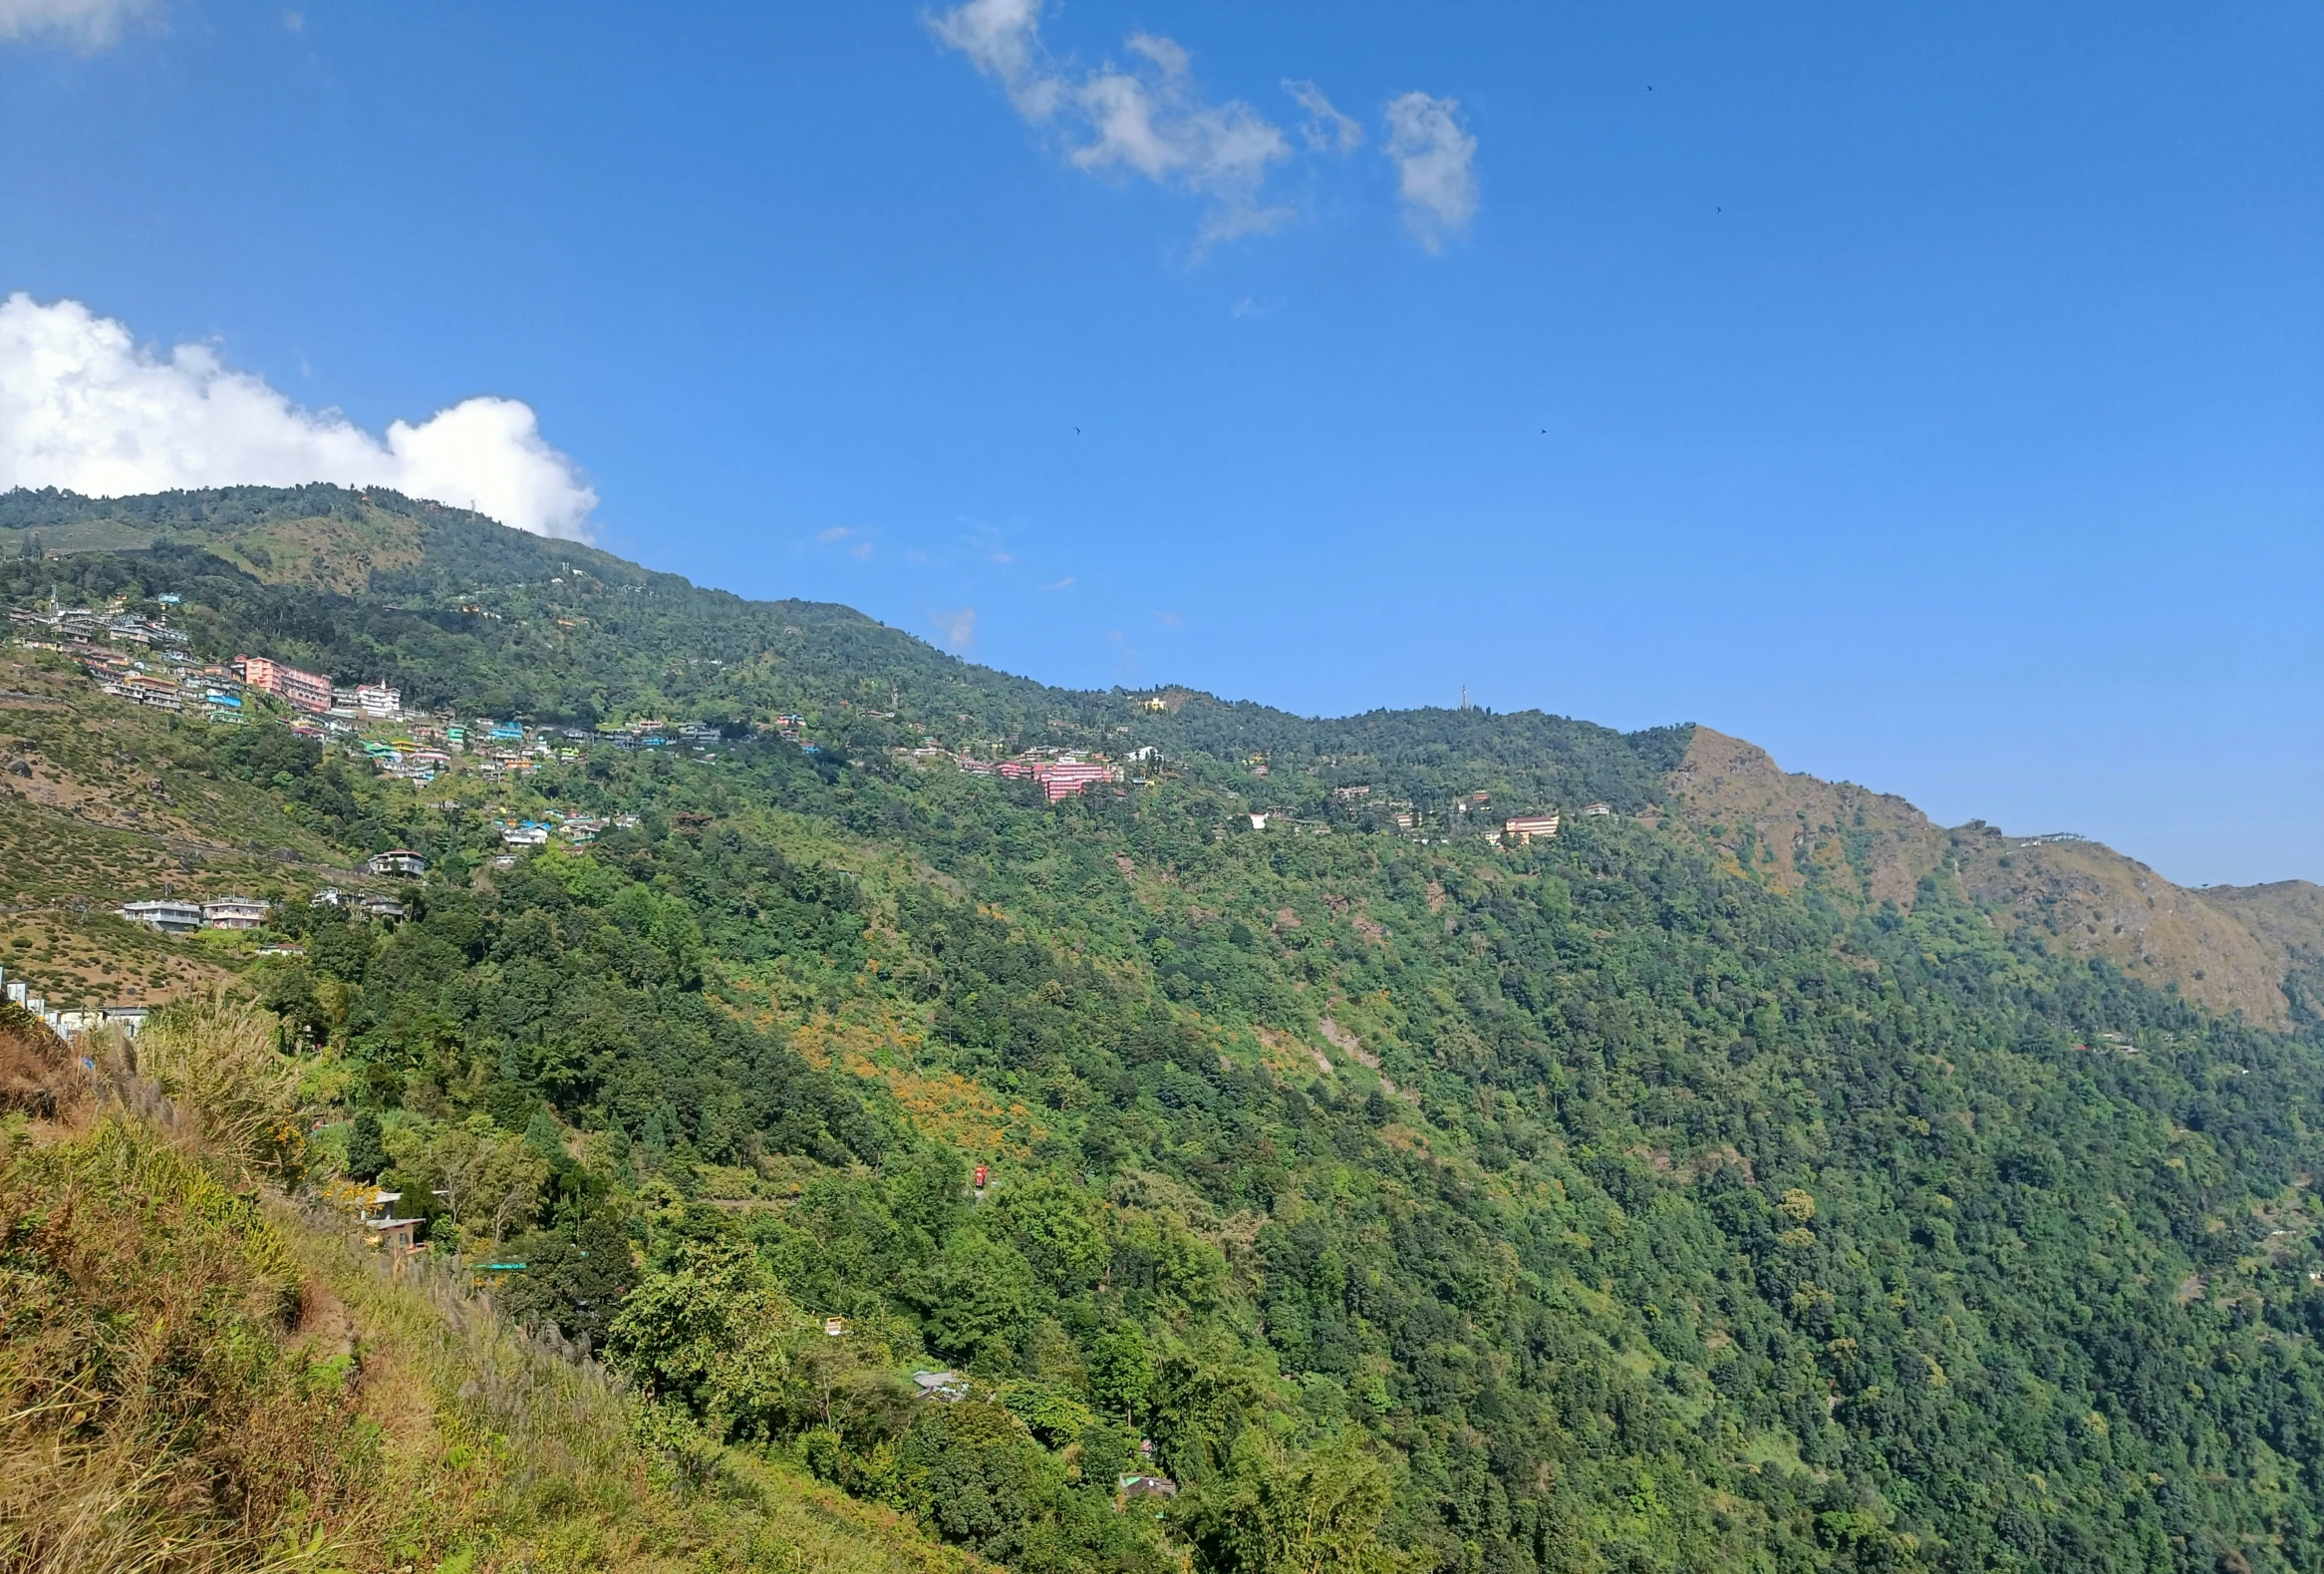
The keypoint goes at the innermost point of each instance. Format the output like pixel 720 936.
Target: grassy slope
pixel 196 1375
pixel 2228 950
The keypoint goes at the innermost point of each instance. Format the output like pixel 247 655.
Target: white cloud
pixel 84 407
pixel 1146 117
pixel 1327 130
pixel 1002 39
pixel 957 628
pixel 84 24
pixel 1435 166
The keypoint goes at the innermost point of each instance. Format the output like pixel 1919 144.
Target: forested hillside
pixel 1628 1201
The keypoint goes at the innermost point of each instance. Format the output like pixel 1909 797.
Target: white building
pixel 1520 829
pixel 168 916
pixel 235 912
pixel 127 1019
pixel 378 702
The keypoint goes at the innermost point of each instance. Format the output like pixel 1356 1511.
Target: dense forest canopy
pixel 1424 1202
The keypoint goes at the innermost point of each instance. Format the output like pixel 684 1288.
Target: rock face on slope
pixel 2257 949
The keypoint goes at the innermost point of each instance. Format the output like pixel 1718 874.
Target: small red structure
pixel 979 1177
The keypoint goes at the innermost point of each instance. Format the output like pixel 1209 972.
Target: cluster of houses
pixel 86 631
pixel 172 916
pixel 1517 830
pixel 145 660
pixel 505 751
pixel 315 695
pixel 371 904
pixel 1062 776
pixel 125 1020
pixel 576 828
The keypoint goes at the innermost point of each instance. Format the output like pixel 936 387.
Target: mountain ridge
pixel 2258 949
pixel 2229 948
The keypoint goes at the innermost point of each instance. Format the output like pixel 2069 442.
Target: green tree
pixel 924 1189
pixel 488 1181
pixel 575 1282
pixel 715 1336
pixel 1121 1373
pixel 1056 1227
pixel 1283 1512
pixel 367 1153
pixel 976 1290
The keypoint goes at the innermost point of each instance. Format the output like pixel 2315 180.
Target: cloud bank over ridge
pixel 84 408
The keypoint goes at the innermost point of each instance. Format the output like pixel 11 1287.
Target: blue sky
pixel 1929 394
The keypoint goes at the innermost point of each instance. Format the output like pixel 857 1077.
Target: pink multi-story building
pixel 306 689
pixel 1063 778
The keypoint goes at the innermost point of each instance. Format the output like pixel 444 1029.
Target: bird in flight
pixel 1077 432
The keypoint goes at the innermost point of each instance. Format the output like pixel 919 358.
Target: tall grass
pixel 217 1063
pixel 157 1417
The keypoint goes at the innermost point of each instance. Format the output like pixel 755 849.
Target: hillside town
pixel 141 657
pixel 137 653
